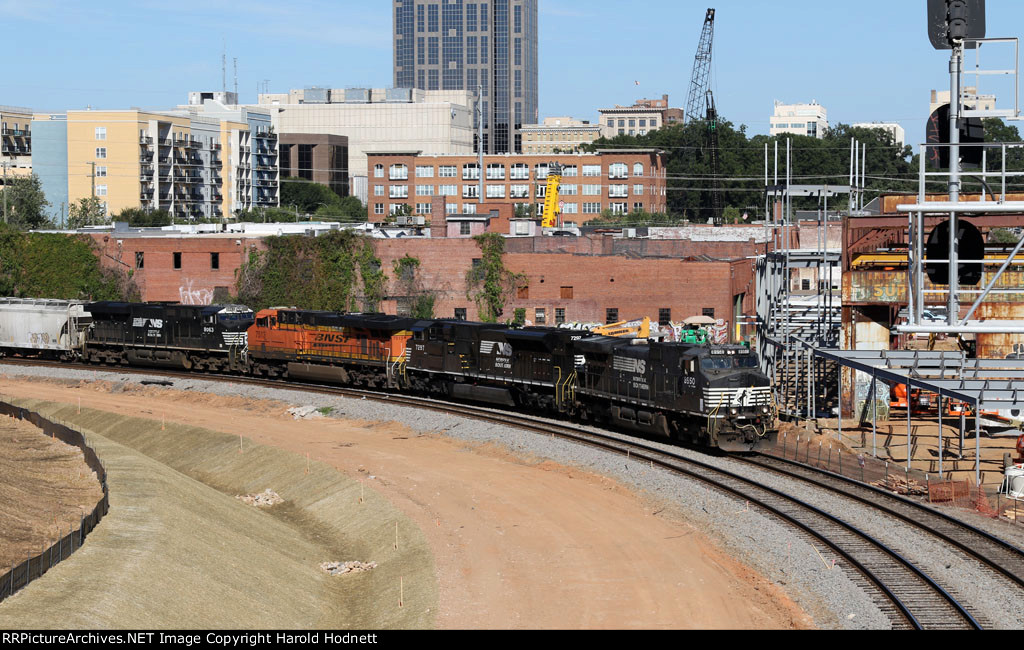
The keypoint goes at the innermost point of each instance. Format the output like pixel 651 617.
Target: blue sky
pixel 865 60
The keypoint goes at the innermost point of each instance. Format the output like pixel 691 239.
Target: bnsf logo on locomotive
pixel 635 366
pixel 158 323
pixel 330 338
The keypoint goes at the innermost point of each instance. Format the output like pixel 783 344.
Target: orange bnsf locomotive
pixel 354 349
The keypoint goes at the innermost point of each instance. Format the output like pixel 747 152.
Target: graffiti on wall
pixel 188 294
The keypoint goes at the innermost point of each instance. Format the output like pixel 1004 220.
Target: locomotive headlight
pixel 764 409
pixel 734 411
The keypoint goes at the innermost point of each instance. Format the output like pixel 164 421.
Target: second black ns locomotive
pixel 711 395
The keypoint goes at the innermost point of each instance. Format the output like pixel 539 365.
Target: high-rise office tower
pixel 471 44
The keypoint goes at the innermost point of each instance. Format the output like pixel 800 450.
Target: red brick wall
pixel 158 280
pixel 636 286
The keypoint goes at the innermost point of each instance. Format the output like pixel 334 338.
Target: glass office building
pixel 490 46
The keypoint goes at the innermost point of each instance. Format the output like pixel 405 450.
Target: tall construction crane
pixel 700 105
pixel 700 80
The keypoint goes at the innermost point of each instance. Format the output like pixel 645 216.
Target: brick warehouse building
pixel 586 279
pixel 619 180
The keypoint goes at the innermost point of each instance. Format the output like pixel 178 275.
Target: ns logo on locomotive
pixel 711 395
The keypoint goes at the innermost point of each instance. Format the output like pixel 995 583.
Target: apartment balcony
pixel 146 157
pixel 145 140
pixel 265 135
pixel 17 133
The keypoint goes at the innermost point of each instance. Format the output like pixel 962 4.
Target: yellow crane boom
pixel 625 328
pixel 551 209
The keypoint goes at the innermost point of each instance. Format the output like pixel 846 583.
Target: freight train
pixel 710 395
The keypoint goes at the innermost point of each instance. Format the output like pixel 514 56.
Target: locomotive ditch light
pixel 733 412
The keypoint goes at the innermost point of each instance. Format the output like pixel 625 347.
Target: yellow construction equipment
pixel 626 329
pixel 551 207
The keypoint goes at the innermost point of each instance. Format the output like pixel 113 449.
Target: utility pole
pixel 955 68
pixel 92 178
pixel 5 192
pixel 480 140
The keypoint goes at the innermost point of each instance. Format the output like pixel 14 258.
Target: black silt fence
pixel 18 576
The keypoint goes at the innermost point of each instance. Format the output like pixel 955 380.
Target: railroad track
pixel 998 555
pixel 906 594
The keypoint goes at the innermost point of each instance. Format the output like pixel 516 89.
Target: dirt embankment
pixel 45 490
pixel 179 550
pixel 517 543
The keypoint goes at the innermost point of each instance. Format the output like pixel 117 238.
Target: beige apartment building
pixel 193 167
pixel 558 135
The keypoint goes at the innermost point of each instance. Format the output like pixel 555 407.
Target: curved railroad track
pixel 998 555
pixel 906 594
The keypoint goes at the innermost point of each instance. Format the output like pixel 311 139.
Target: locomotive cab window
pixel 262 322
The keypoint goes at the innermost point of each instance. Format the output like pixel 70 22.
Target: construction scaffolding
pixel 798 301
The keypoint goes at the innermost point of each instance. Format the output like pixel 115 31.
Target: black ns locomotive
pixel 710 395
pixel 210 337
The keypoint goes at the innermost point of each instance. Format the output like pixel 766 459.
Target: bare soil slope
pixel 518 543
pixel 45 488
pixel 179 550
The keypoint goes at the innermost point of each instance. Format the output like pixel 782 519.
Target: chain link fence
pixel 833 453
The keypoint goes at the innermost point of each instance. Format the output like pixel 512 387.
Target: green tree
pixel 138 218
pixel 402 210
pixel 37 265
pixel 267 215
pixel 741 163
pixel 489 284
pixel 87 212
pixel 348 210
pixel 418 301
pixel 337 271
pixel 26 204
pixel 307 196
pixel 998 131
pixel 1002 236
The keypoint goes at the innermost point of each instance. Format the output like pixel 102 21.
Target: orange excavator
pixel 920 401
